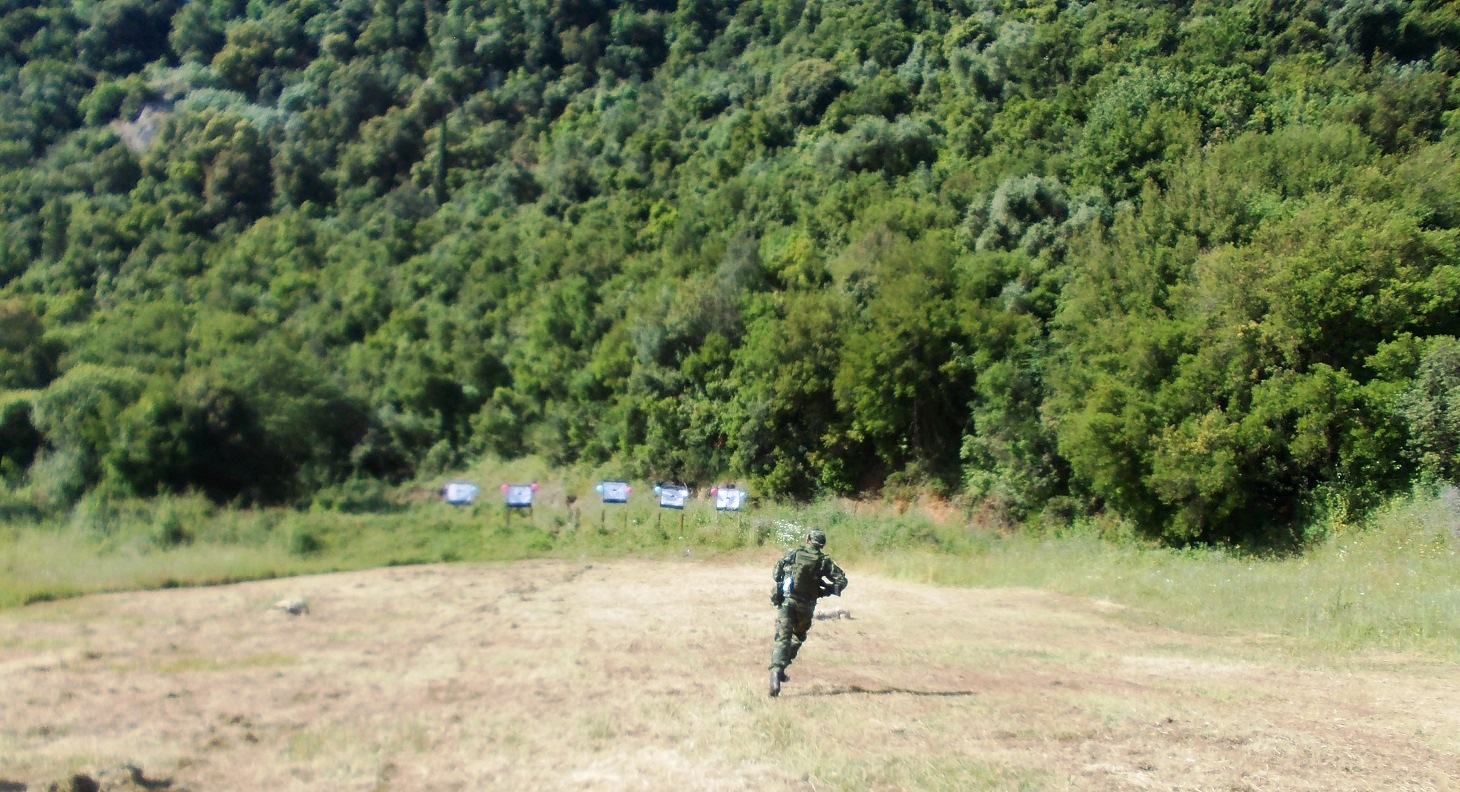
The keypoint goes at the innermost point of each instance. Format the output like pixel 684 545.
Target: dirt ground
pixel 640 675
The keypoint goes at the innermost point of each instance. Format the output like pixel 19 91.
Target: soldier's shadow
pixel 858 690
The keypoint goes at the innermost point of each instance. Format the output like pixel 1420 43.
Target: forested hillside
pixel 1194 265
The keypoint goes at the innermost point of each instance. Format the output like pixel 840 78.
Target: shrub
pixel 1430 410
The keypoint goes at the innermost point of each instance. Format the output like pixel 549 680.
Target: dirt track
pixel 651 675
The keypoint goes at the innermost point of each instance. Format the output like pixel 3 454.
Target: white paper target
pixel 729 498
pixel 615 491
pixel 673 497
pixel 459 493
pixel 519 496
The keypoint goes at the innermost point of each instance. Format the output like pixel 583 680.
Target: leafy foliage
pixel 1193 266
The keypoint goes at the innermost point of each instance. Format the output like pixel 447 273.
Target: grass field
pixel 632 674
pixel 1390 583
pixel 585 646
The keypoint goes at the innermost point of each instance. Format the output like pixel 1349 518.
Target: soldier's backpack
pixel 804 573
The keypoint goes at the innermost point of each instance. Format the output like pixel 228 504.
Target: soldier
pixel 802 576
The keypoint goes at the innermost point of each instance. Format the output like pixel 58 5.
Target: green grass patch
pixel 1391 584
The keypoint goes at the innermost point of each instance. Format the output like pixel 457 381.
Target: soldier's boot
pixel 775 682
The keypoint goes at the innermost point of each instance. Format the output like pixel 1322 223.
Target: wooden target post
pixel 732 499
pixel 671 496
pixel 614 492
pixel 518 498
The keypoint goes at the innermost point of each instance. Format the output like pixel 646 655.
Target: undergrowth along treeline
pixel 1391 582
pixel 1192 265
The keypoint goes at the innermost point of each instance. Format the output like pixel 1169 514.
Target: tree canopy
pixel 1195 266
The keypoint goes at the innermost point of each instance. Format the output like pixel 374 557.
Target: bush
pixel 19 440
pixel 170 531
pixel 357 496
pixel 1430 410
pixel 305 541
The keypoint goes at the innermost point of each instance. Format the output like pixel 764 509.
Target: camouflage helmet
pixel 817 538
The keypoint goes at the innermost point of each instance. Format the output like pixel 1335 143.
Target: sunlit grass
pixel 40 565
pixel 1391 584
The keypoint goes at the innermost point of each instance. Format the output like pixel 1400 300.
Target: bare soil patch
pixel 651 675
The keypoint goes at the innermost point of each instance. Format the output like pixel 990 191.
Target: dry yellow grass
pixel 650 675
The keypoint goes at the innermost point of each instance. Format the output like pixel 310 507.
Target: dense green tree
pixel 1137 125
pixel 783 406
pixel 126 35
pixel 217 167
pixel 20 442
pixel 898 380
pixel 27 358
pixel 1009 456
pixel 200 437
pixel 807 88
pixel 79 415
pixel 193 35
pixel 257 54
pixel 46 103
pixel 1430 408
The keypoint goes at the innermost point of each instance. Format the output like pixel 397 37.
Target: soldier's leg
pixel 785 628
pixel 798 624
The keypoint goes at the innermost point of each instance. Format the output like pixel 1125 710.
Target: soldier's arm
pixel 779 571
pixel 837 576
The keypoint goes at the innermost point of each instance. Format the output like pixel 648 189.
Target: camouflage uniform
pixel 798 608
